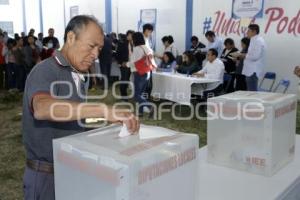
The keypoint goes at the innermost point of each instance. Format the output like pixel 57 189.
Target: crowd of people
pixel 18 55
pixel 217 58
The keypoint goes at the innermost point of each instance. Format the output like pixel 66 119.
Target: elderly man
pixel 54 103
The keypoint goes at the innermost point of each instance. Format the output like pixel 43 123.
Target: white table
pixel 221 183
pixel 178 87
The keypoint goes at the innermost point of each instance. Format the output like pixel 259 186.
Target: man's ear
pixel 71 37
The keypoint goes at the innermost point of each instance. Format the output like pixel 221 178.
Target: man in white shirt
pixel 39 42
pixel 147 32
pixel 213 69
pixel 213 43
pixel 255 58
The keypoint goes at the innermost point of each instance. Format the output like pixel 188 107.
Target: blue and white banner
pixel 148 16
pixel 247 9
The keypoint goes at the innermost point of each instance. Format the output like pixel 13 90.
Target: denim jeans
pixel 140 85
pixel 252 82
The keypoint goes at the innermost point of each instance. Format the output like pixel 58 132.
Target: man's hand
pixel 123 116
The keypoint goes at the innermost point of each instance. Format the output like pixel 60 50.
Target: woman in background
pixel 168 63
pixel 31 52
pixel 229 63
pixel 124 52
pixel 240 78
pixel 140 50
pixel 168 42
pixel 189 64
pixel 20 64
pixel 10 70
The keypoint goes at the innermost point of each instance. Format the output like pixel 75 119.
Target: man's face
pixel 30 40
pixel 51 32
pixel 129 37
pixel 210 38
pixel 210 57
pixel 148 33
pixel 40 36
pixel 194 43
pixel 84 50
pixel 250 33
pixel 31 32
pixel 229 46
pixel 20 43
pixel 166 44
pixel 165 58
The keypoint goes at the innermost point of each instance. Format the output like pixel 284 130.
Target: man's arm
pixel 46 107
pixel 201 73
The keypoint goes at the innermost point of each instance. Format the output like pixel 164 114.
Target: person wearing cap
pixel 55 102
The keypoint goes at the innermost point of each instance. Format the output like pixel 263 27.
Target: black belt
pixel 40 166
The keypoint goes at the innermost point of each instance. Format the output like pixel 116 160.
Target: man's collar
pixel 60 59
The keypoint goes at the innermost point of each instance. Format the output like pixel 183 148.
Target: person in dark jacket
pixel 20 64
pixel 105 60
pixel 124 51
pixel 189 64
pixel 229 63
pixel 31 53
pixel 240 78
pixel 196 50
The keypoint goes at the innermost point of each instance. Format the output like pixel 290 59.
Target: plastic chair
pixel 283 83
pixel 271 76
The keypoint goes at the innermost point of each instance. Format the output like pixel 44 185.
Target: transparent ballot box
pixel 252 131
pixel 157 164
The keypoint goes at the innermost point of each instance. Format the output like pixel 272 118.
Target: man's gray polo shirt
pixel 55 77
